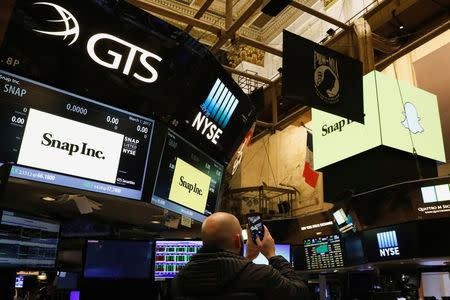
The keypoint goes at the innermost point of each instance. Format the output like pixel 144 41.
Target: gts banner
pixel 322 78
pixel 112 51
pixel 190 186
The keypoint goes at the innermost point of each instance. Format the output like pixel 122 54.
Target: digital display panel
pixel 117 53
pixel 19 282
pixel 118 259
pixel 188 180
pixel 67 280
pixel 172 256
pixel 60 138
pixel 27 241
pixel 323 252
pixel 280 249
pixel 393 242
pixel 435 193
pixel 340 216
pixel 354 252
pixel 403 121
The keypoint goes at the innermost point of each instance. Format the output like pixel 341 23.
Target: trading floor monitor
pixel 280 249
pixel 27 242
pixel 323 252
pixel 172 256
pixel 118 259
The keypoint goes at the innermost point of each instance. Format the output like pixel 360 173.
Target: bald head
pixel 223 231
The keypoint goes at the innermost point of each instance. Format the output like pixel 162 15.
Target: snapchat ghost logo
pixel 412 118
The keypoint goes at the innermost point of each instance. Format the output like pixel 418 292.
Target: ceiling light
pixel 401 27
pixel 188 238
pixel 48 198
pixel 319 233
pixel 156 222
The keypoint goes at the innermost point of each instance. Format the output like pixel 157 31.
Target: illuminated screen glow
pixel 389 120
pixel 323 252
pixel 340 216
pixel 28 241
pixel 56 137
pixel 280 249
pixel 188 180
pixel 172 256
pixel 435 193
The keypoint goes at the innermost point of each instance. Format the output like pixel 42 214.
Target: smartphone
pixel 255 223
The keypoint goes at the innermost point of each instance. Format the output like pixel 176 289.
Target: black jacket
pixel 215 272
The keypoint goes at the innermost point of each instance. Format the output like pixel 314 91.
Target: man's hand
pixel 251 251
pixel 267 246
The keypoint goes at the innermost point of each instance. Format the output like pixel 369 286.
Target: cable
pixel 407 122
pixel 270 165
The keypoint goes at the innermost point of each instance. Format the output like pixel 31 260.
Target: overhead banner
pixel 115 53
pixel 397 115
pixel 322 78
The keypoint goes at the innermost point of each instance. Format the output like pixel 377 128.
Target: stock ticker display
pixel 27 241
pixel 323 252
pixel 172 256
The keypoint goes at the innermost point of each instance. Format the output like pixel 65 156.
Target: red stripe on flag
pixel 310 175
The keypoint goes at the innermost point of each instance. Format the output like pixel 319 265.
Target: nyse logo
pixel 72 27
pixel 388 244
pixel 217 110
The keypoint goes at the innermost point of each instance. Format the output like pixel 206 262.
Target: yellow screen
pixel 190 186
pixel 390 120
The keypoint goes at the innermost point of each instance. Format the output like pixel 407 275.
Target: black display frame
pixel 24 267
pixel 107 279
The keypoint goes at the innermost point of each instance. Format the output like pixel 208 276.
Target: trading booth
pixel 117 126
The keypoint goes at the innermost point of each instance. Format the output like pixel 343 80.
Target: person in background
pixel 220 271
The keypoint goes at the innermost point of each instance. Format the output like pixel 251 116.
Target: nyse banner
pixel 190 186
pixel 322 78
pixel 118 54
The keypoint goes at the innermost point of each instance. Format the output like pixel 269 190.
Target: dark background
pixel 186 73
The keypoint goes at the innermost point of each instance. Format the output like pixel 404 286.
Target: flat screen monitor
pixel 188 180
pixel 67 280
pixel 116 259
pixel 74 295
pixel 323 252
pixel 280 249
pixel 354 251
pixel 172 256
pixel 340 216
pixel 19 282
pixel 435 193
pixel 56 137
pixel 393 242
pixel 27 242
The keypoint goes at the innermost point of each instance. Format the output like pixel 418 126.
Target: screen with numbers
pixel 323 252
pixel 188 180
pixel 56 137
pixel 172 256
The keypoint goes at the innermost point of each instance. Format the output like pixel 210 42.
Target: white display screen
pixel 56 137
pixel 340 216
pixel 57 144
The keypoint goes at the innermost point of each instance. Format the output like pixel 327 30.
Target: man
pixel 219 268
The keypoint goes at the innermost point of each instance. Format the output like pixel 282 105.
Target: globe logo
pixel 70 23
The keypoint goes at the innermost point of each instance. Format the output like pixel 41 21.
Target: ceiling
pixel 397 26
